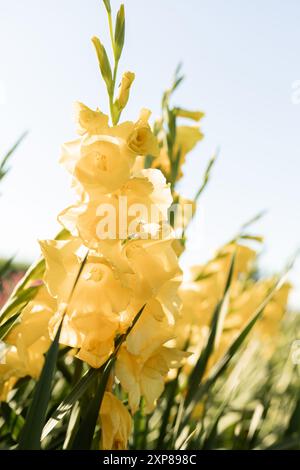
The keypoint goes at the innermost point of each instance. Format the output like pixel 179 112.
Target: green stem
pixel 111 31
pixel 114 118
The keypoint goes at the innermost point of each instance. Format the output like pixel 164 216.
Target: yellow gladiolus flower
pixel 104 164
pixel 184 113
pixel 142 141
pixel 63 259
pixel 28 341
pixel 124 89
pixel 146 378
pixel 150 332
pixel 102 160
pixel 93 310
pixel 144 360
pixel 89 121
pixel 6 386
pixel 187 138
pixel 154 261
pixel 116 423
pixel 144 198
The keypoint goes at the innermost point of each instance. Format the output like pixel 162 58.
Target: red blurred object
pixel 8 283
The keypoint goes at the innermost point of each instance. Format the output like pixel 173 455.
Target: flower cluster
pixel 204 287
pixel 118 275
pixel 108 291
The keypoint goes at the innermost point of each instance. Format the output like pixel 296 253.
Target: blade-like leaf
pixel 80 388
pixel 66 405
pixel 36 416
pixel 222 364
pixel 211 435
pixel 207 175
pixel 119 33
pixel 84 436
pixel 13 421
pixel 254 219
pixel 6 327
pixel 72 426
pixel 4 269
pixel 170 393
pixel 215 330
pixel 107 5
pixel 294 421
pixel 104 64
pixel 5 159
pixel 16 305
pixel 35 419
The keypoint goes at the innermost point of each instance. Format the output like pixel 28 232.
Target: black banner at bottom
pixel 148 458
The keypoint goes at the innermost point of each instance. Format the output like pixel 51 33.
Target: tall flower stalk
pixel 105 345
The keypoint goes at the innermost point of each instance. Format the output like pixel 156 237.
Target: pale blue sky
pixel 240 61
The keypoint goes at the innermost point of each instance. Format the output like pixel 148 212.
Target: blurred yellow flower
pixel 6 385
pixel 187 138
pixel 27 342
pixel 116 423
pixel 184 113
